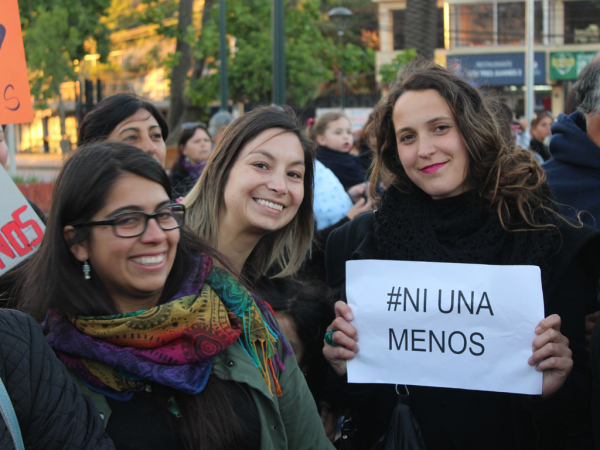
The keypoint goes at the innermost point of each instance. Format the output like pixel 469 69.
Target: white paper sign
pixel 21 230
pixel 467 326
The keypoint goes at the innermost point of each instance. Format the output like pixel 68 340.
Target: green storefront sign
pixel 567 65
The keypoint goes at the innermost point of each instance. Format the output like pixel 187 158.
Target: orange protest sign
pixel 15 98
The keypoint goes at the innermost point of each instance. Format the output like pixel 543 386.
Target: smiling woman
pixel 459 192
pixel 254 200
pixel 129 119
pixel 172 348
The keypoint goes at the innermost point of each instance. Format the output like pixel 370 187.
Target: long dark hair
pixel 311 308
pixel 287 247
pixel 185 135
pixel 507 179
pixel 110 112
pixel 53 279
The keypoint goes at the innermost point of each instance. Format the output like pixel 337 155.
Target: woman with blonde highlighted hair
pixel 253 201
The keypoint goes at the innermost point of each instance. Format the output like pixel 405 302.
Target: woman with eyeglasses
pixel 126 118
pixel 174 351
pixel 194 148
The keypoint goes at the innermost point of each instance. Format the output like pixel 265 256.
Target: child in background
pixel 333 133
pixel 304 310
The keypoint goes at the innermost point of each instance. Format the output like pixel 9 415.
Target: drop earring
pixel 86 271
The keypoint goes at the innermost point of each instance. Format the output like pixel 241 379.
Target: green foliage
pixel 54 33
pixel 49 46
pixel 24 180
pixel 389 72
pixel 310 56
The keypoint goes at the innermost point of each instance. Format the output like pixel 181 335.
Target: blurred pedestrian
pixel 333 132
pixel 194 148
pixel 218 123
pixel 540 131
pixel 575 146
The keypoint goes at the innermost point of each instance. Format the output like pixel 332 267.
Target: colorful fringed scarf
pixel 172 344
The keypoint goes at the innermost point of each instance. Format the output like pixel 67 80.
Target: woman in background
pixel 129 119
pixel 194 148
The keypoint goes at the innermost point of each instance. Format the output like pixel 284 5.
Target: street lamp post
pixel 223 52
pixel 278 95
pixel 343 14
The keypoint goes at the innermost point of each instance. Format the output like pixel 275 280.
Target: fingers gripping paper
pixel 466 326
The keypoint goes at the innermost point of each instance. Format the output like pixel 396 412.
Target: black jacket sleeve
pixel 52 412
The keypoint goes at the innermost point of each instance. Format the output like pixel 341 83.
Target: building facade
pixel 485 41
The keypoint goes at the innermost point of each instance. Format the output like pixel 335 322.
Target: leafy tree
pixel 54 36
pixel 389 72
pixel 311 58
pixel 361 38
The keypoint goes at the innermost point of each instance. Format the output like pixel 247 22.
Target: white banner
pixel 21 230
pixel 467 326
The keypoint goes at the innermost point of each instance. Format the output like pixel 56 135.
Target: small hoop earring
pixel 86 270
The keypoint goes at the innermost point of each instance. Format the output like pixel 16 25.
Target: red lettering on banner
pixel 5 248
pixel 29 223
pixel 8 230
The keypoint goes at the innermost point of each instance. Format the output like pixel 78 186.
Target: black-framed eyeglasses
pixel 134 223
pixel 188 125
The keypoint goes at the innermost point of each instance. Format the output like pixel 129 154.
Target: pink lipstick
pixel 433 168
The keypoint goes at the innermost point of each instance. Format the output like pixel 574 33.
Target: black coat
pixel 52 412
pixel 181 182
pixel 463 419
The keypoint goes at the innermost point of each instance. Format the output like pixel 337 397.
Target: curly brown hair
pixel 507 179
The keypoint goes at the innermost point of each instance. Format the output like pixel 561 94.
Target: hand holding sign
pixel 346 338
pixel 449 325
pixel 551 354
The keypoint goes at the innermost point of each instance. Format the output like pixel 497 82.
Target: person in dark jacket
pixel 452 176
pixel 51 411
pixel 333 133
pixel 574 170
pixel 540 130
pixel 194 148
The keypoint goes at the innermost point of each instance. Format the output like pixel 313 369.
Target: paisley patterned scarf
pixel 172 344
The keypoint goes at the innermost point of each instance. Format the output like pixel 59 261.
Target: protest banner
pixel 467 326
pixel 15 98
pixel 21 230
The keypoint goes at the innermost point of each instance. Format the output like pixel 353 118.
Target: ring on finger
pixel 329 338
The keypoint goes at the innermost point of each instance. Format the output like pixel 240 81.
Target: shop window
pixel 499 23
pixel 398 27
pixel 472 25
pixel 582 22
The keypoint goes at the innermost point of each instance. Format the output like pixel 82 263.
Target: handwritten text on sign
pixel 15 99
pixel 466 326
pixel 21 230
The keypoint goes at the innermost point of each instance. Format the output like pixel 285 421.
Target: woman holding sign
pixel 174 351
pixel 459 192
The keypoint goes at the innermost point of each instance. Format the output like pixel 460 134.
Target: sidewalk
pixel 41 166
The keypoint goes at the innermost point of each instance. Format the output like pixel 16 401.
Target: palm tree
pixel 420 26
